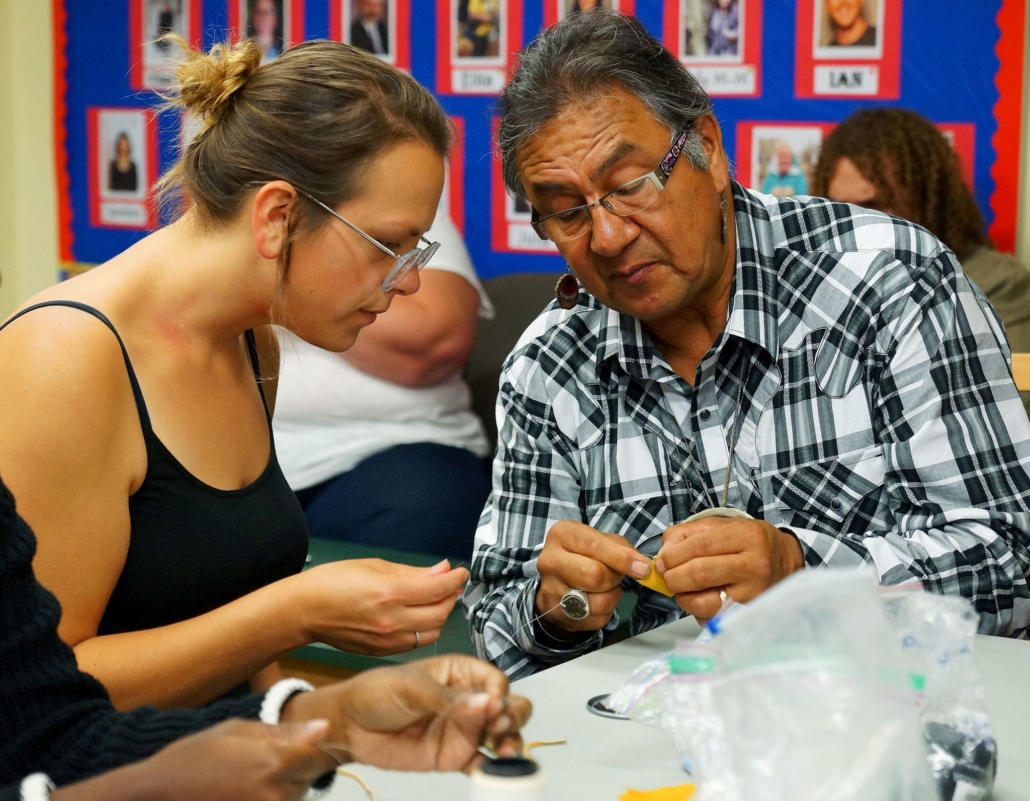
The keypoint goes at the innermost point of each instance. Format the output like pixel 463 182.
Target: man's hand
pixel 742 557
pixel 575 555
pixel 429 715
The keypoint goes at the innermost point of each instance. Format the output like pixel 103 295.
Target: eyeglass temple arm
pixel 353 227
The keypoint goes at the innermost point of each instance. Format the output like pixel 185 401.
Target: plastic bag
pixel 937 635
pixel 823 688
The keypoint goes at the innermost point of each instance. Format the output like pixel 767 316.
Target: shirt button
pixel 705 415
pixel 836 503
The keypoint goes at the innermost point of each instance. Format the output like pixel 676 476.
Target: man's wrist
pixel 795 551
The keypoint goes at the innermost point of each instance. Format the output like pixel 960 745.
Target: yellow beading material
pixel 681 792
pixel 654 581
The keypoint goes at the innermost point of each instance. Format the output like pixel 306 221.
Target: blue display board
pixel 950 62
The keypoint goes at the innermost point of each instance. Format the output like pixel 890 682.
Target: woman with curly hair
pixel 897 161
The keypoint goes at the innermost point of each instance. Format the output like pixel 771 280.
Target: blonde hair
pixel 314 117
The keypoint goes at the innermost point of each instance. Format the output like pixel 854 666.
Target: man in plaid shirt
pixel 832 367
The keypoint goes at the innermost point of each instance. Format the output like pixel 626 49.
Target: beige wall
pixel 28 216
pixel 28 205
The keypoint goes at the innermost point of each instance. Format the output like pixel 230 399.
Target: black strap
pixel 255 363
pixel 137 393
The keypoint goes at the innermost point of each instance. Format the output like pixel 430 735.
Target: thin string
pixel 342 771
pixel 534 620
pixel 734 435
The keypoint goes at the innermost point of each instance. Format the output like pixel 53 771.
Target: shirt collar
pixel 753 307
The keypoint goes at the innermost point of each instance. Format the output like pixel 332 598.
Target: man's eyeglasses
pixel 629 198
pixel 412 260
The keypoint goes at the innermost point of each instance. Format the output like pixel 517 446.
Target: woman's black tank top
pixel 192 547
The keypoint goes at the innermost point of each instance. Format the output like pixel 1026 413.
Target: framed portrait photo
pixel 275 25
pixel 557 10
pixel 848 48
pixel 382 27
pixel 778 158
pixel 152 61
pixel 720 42
pixel 476 42
pixel 123 159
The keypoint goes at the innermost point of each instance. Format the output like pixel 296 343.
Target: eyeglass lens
pixel 630 198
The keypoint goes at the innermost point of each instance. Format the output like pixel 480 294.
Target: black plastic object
pixel 509 766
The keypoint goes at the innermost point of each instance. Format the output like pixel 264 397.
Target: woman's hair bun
pixel 207 82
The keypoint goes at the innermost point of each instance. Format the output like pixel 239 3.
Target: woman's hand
pixel 374 607
pixel 430 715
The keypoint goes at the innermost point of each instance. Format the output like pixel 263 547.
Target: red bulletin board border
pixel 552 10
pixel 500 226
pixel 401 27
pixel 456 176
pixel 94 178
pixel 446 66
pixel 65 233
pixel 888 64
pixel 293 19
pixel 137 36
pixel 751 54
pixel 1007 141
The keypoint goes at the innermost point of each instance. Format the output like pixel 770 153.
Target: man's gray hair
pixel 582 57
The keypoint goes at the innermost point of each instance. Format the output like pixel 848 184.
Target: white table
pixel 603 758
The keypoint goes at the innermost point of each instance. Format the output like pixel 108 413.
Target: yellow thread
pixel 654 581
pixel 368 790
pixel 537 743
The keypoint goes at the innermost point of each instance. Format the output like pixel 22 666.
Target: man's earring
pixel 567 291
pixel 725 226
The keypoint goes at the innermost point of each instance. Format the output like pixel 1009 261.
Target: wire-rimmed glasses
pixel 414 259
pixel 627 199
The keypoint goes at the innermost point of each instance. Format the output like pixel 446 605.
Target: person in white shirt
pixel 380 443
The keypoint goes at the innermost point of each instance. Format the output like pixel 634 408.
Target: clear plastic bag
pixel 827 688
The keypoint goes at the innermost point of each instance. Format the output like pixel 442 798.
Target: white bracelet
pixel 272 709
pixel 277 696
pixel 36 787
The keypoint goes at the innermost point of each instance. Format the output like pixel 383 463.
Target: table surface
pixel 603 758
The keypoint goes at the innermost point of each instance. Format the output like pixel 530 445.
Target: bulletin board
pixel 777 73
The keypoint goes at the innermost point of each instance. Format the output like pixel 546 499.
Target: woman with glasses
pixel 135 416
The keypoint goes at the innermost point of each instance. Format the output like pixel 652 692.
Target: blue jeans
pixel 423 497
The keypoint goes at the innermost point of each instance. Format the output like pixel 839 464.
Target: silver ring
pixel 724 597
pixel 417 641
pixel 575 604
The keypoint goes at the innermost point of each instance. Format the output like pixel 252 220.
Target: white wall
pixel 28 196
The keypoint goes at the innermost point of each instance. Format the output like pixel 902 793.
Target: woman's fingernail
pixel 640 569
pixel 502 723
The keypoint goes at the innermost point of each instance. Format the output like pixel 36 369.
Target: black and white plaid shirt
pixel 878 422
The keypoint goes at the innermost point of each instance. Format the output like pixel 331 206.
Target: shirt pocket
pixel 640 522
pixel 834 496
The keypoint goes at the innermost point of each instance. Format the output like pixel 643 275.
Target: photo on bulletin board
pixel 122 146
pixel 962 138
pixel 556 10
pixel 848 48
pixel 274 24
pixel 153 61
pixel 477 40
pixel 382 27
pixel 778 158
pixel 720 42
pixel 511 229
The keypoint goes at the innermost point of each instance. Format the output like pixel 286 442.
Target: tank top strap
pixel 255 364
pixel 137 393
